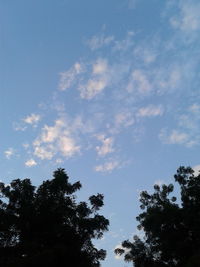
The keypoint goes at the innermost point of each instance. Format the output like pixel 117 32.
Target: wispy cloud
pixel 175 137
pixel 98 81
pixel 9 152
pixel 99 41
pixel 188 19
pixel 107 145
pixel 67 78
pixel 139 82
pixel 124 119
pixel 32 119
pixel 150 111
pixel 108 166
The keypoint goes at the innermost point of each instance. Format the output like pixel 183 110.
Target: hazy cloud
pixel 99 41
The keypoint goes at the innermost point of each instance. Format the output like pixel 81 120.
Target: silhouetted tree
pixel 171 227
pixel 45 226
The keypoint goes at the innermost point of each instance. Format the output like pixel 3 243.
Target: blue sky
pixel 108 90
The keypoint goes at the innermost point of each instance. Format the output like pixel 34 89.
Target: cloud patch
pixel 188 19
pixel 99 41
pixel 98 80
pixel 68 78
pixel 150 111
pixel 32 119
pixel 108 166
pixel 175 137
pixel 55 139
pixel 30 163
pixel 107 145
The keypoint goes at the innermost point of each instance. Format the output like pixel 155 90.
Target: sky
pixel 108 90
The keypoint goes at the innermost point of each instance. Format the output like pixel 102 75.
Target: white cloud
pixel 9 152
pixel 93 87
pixel 146 54
pixel 171 80
pixel 187 122
pixel 150 111
pixel 26 145
pixel 59 161
pixel 125 44
pixel 68 78
pixel 125 118
pixel 107 145
pixel 108 166
pixel 188 20
pixel 97 42
pixel 19 127
pixel 176 137
pixel 98 80
pixel 139 82
pixel 30 163
pixel 196 169
pixel 100 66
pixel 67 146
pixel 45 152
pixel 32 119
pixel 55 139
pixel 195 108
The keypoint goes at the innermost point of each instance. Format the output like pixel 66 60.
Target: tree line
pixel 47 226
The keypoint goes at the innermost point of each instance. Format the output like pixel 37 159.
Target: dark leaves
pixel 171 231
pixel 46 226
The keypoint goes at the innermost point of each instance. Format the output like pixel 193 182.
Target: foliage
pixel 45 226
pixel 171 228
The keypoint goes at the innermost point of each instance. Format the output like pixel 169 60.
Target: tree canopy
pixel 46 226
pixel 171 225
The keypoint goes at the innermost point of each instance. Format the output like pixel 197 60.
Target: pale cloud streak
pixel 175 137
pixel 150 111
pixel 99 41
pixel 108 166
pixel 9 153
pixel 124 119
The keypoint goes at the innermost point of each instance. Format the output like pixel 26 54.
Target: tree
pixel 171 226
pixel 45 226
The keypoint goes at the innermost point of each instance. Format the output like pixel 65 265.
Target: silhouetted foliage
pixel 45 226
pixel 171 228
